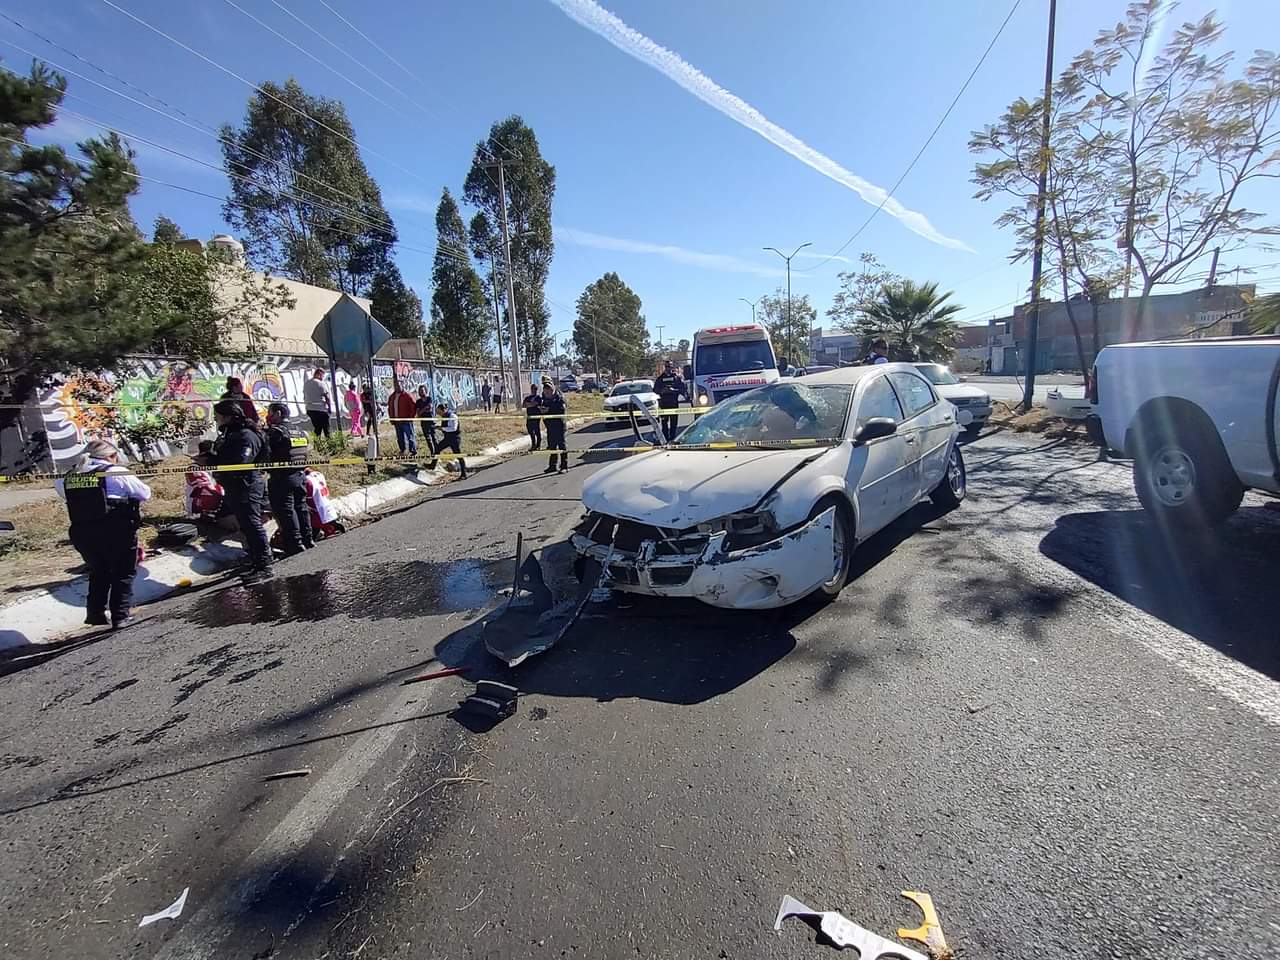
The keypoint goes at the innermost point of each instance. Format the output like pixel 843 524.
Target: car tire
pixel 1182 476
pixel 847 538
pixel 951 489
pixel 973 429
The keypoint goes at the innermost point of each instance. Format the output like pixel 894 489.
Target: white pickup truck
pixel 1198 417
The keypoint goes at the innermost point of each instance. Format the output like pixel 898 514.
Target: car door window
pixel 879 400
pixel 916 395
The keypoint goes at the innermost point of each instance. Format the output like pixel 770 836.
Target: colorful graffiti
pixel 155 380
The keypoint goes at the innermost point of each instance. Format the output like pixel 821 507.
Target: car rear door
pixel 879 468
pixel 925 433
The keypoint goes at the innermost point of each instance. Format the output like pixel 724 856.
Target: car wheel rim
pixel 1173 477
pixel 955 473
pixel 838 547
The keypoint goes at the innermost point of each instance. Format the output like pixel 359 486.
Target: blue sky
pixel 653 182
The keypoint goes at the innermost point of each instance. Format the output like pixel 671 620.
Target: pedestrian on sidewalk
pixel 369 403
pixel 425 413
pixel 235 391
pixel 497 394
pixel 104 503
pixel 352 401
pixel 553 408
pixel 533 417
pixel 486 394
pixel 451 437
pixel 315 396
pixel 402 410
pixel 239 445
pixel 286 487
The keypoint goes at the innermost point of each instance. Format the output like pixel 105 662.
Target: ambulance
pixel 728 361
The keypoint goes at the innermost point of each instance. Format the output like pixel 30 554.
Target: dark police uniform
pixel 287 488
pixel 670 387
pixel 532 425
pixel 245 490
pixel 553 406
pixel 104 531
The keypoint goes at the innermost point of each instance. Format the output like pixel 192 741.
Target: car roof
pixel 648 380
pixel 851 375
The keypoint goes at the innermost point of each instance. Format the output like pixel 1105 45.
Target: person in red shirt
pixel 402 409
pixel 235 391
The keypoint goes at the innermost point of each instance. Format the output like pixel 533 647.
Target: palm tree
pixel 915 320
pixel 1264 314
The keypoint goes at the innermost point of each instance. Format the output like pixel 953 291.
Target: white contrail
pixel 710 261
pixel 600 21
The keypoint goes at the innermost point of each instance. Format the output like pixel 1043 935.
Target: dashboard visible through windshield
pixel 780 412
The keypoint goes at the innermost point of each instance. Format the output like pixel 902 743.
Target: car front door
pixel 879 468
pixel 920 433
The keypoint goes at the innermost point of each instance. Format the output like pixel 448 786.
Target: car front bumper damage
pixel 771 574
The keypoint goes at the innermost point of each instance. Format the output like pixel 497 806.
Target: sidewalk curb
pixel 47 615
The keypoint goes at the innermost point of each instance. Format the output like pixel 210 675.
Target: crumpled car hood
pixel 680 489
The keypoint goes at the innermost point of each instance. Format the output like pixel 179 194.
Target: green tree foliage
pixel 1151 144
pixel 300 192
pixel 166 231
pixel 1263 314
pixel 858 288
pixel 395 305
pixel 611 326
pixel 788 331
pixel 459 310
pixel 530 189
pixel 915 319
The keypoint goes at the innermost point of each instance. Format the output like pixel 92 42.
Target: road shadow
pixel 1218 587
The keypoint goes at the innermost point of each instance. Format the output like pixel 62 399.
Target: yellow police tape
pixel 354 461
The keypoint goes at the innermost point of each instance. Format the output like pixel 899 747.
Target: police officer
pixel 879 352
pixel 103 502
pixel 553 408
pixel 287 487
pixel 670 387
pixel 245 490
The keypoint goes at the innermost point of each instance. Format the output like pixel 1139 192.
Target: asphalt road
pixel 1010 389
pixel 1059 723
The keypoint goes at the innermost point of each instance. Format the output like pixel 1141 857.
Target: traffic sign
pixel 349 335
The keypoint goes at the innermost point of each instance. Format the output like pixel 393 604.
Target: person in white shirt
pixel 451 430
pixel 879 352
pixel 103 501
pixel 315 396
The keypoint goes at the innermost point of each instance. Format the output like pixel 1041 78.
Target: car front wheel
pixel 842 540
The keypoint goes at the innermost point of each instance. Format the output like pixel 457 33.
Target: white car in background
pixel 762 501
pixel 618 404
pixel 977 403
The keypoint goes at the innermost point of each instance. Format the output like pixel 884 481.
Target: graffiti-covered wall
pixel 50 434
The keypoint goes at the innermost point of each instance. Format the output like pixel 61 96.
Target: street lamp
pixel 752 304
pixel 555 344
pixel 788 259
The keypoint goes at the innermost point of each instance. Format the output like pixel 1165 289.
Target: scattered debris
pixel 287 774
pixel 930 931
pixel 451 672
pixel 496 701
pixel 843 932
pixel 172 912
pixel 472 903
pixel 975 708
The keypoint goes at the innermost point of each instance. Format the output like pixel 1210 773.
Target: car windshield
pixel 937 374
pixel 733 357
pixel 635 386
pixel 778 413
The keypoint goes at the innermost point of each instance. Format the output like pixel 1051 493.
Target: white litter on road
pixel 172 912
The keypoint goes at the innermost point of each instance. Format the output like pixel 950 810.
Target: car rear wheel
pixel 951 489
pixel 1182 475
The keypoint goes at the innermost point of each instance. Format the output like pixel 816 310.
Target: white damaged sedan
pixel 763 500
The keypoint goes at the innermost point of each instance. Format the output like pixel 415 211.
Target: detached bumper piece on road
pixel 842 932
pixel 638 558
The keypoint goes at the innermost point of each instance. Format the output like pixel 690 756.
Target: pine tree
pixel 395 305
pixel 459 310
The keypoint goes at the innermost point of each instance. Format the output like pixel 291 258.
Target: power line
pixel 258 89
pixel 919 153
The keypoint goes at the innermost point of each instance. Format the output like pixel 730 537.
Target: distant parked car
pixel 965 397
pixel 569 384
pixel 618 406
pixel 1199 418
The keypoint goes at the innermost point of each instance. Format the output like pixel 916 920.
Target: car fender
pixel 795 496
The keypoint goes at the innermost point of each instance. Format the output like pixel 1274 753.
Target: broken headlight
pixel 743 529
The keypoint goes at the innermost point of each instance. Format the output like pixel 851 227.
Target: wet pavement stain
pixel 417 588
pixel 123 684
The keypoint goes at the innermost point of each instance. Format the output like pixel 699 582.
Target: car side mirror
pixel 875 428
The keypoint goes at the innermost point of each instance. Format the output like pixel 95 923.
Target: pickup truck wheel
pixel 951 489
pixel 1183 476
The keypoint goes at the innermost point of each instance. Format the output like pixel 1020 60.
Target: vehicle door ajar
pixel 878 468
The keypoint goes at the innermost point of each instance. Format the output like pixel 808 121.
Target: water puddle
pixel 401 590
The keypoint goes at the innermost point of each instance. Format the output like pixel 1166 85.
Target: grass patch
pixel 1037 420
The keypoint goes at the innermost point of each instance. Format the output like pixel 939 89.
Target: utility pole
pixel 790 345
pixel 752 304
pixel 511 290
pixel 661 327
pixel 1037 255
pixel 497 315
